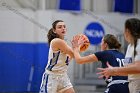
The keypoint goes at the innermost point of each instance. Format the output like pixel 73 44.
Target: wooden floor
pixel 89 89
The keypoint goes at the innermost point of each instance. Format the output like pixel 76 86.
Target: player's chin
pixel 63 34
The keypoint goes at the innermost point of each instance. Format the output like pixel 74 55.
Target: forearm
pixel 77 55
pixel 120 71
pixel 129 69
pixel 85 59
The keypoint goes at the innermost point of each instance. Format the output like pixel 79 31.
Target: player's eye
pixel 64 26
pixel 59 27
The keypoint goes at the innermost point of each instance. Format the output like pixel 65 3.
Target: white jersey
pixel 55 78
pixel 57 61
pixel 130 58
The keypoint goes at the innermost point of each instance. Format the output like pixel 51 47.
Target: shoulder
pixel 57 40
pixel 103 55
pixel 107 53
pixel 57 43
pixel 100 53
pixel 115 52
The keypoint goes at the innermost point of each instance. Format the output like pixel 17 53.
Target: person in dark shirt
pixel 109 54
pixel 132 57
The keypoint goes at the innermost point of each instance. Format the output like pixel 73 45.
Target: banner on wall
pixel 95 32
pixel 72 5
pixel 124 6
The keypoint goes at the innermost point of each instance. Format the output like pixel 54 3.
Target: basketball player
pixel 109 53
pixel 132 57
pixel 55 78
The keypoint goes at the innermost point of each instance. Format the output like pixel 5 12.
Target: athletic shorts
pixel 118 88
pixel 134 86
pixel 55 83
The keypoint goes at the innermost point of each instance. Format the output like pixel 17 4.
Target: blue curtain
pixel 74 5
pixel 124 6
pixel 22 66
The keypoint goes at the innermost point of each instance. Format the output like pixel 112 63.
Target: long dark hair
pixel 112 41
pixel 51 35
pixel 133 26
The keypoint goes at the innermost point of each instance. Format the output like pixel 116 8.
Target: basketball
pixel 86 44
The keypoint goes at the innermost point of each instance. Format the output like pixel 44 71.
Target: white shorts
pixel 55 83
pixel 134 86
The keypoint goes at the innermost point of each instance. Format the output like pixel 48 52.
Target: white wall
pixel 14 26
pixel 98 8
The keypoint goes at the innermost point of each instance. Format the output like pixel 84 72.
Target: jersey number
pixel 121 62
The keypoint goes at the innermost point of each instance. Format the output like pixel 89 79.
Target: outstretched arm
pixel 120 71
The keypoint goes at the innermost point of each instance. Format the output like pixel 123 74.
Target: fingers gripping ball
pixel 86 43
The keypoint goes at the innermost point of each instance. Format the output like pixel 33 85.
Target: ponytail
pixel 51 35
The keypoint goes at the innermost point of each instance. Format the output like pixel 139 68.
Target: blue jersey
pixel 114 58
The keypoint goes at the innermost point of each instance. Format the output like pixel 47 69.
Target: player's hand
pixel 74 41
pixel 77 41
pixel 106 72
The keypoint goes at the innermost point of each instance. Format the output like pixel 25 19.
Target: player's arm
pixel 129 69
pixel 84 59
pixel 59 44
pixel 120 71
